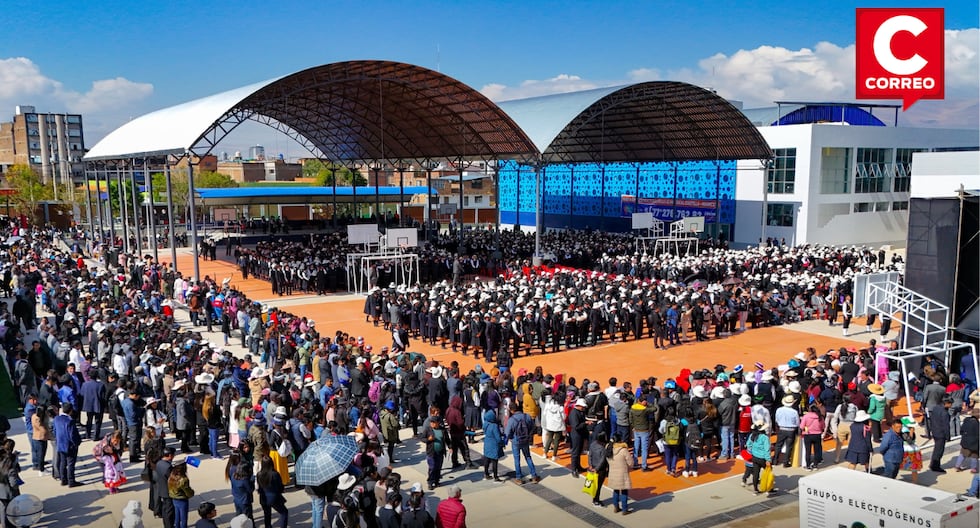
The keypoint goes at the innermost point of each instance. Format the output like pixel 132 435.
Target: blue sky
pixel 113 60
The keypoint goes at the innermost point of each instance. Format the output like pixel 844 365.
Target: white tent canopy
pixel 172 130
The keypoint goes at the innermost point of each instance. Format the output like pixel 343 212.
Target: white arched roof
pixel 543 118
pixel 171 130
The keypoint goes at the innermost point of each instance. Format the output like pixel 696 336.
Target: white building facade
pixel 832 183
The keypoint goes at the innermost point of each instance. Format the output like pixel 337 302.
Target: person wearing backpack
pixel 692 445
pixel 670 431
pixel 520 432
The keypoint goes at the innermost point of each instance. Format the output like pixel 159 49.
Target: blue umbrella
pixel 324 459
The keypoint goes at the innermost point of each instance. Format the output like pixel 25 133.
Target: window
pixel 881 206
pixel 466 201
pixel 862 207
pixel 835 170
pixel 74 132
pixel 903 168
pixel 31 118
pixel 781 177
pixel 871 166
pixel 900 206
pixel 32 132
pixel 73 119
pixel 779 214
pixel 476 184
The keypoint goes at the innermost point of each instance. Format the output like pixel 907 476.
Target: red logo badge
pixel 900 54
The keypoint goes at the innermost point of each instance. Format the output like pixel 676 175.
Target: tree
pixel 323 174
pixel 30 191
pixel 178 186
pixel 213 180
pixel 129 189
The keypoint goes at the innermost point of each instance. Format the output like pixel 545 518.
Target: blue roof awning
pixel 303 195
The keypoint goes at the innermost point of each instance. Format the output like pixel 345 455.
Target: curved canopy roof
pixel 363 111
pixel 651 121
pixel 303 195
pixel 346 111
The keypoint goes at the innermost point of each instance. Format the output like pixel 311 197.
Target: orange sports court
pixel 627 361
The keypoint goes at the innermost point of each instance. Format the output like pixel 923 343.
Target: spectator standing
pixel 493 446
pixel 939 428
pixel 451 513
pixel 180 490
pixel 892 449
pixel 520 433
pixel 619 475
pixel 67 441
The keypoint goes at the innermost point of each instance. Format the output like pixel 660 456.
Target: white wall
pixel 940 174
pixel 877 228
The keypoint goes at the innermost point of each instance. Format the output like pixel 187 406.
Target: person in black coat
pixel 271 494
pixel 93 405
pixel 939 428
pixel 579 433
pixel 390 514
pixel 164 507
pixel 438 393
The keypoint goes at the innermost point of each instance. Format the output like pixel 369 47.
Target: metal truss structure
pixel 921 316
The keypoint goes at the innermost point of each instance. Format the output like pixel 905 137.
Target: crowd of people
pixel 108 344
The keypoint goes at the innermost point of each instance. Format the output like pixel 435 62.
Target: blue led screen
pixel 589 195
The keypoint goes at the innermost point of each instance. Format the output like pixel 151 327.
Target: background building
pixel 256 171
pixel 51 143
pixel 839 176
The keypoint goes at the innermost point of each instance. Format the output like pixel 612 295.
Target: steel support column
pixel 136 209
pixel 193 218
pixel 151 214
pixel 459 228
pixel 401 195
pixel 170 213
pixel 123 218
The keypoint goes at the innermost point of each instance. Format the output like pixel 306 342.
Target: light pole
pixel 766 167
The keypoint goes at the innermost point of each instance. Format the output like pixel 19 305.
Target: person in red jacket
pixel 451 513
pixel 744 419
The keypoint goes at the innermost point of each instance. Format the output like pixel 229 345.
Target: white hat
pixel 259 372
pixel 580 402
pixel 861 416
pixel 204 379
pixel 280 411
pixel 800 356
pixel 416 488
pixel 346 481
pixel 789 401
pixel 179 384
pixel 744 400
pixel 794 387
pixel 151 400
pixel 436 371
pixel 767 376
pixel 241 521
pixel 698 392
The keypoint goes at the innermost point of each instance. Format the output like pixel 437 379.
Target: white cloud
pixel 561 83
pixel 824 72
pixel 105 105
